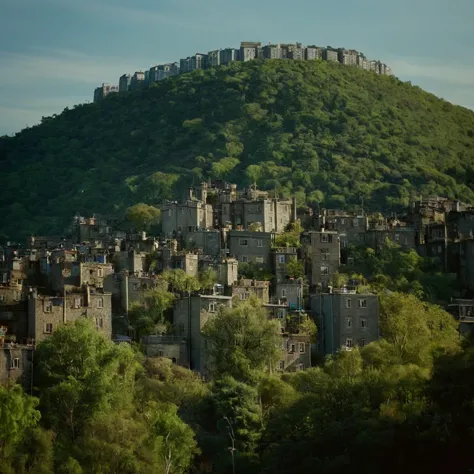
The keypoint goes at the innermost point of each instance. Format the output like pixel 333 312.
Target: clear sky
pixel 53 53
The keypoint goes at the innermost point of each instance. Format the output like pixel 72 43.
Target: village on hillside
pixel 245 244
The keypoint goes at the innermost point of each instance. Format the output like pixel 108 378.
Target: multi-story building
pixel 124 83
pixel 345 320
pixel 171 347
pixel 187 216
pixel 104 90
pixel 249 50
pixel 281 256
pixel 197 61
pixel 463 311
pixel 137 81
pixel 290 292
pixel 214 58
pixel 322 253
pixel 312 53
pixel 250 247
pixel 272 51
pixel 402 235
pixel 348 57
pixel 330 54
pixel 209 240
pixel 244 288
pixel 47 313
pixel 190 314
pixel 163 71
pixel 16 363
pixel 294 51
pixel 228 55
pixel 362 62
pixel 351 227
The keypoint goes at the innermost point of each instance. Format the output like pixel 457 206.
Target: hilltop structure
pixel 248 51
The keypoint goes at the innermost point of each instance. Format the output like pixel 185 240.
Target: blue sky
pixel 54 52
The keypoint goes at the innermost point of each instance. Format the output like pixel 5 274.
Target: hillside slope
pixel 328 133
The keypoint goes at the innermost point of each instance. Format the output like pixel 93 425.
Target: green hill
pixel 326 132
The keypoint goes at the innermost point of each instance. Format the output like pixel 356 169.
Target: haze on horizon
pixel 54 53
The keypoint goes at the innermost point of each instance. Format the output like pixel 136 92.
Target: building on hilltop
pixel 244 288
pixel 330 54
pixel 249 50
pixel 104 90
pixel 312 53
pixel 124 83
pixel 228 55
pixel 137 81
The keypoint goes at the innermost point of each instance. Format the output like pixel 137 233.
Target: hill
pixel 326 132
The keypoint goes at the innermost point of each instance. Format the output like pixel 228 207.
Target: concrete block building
pixel 323 256
pixel 250 247
pixel 244 288
pixel 345 320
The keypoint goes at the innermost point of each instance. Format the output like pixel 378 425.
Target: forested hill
pixel 326 132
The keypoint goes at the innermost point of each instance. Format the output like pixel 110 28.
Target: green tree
pixel 295 268
pixel 142 215
pixel 207 279
pixel 242 340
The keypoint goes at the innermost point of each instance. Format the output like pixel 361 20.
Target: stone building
pixel 280 257
pixel 345 320
pixel 137 81
pixel 226 268
pixel 312 53
pixel 16 364
pixel 187 216
pixel 47 313
pixel 207 240
pixel 104 90
pixel 322 256
pixel 463 311
pixel 128 289
pixel 250 247
pixel 249 50
pixel 399 234
pixel 348 57
pixel 351 227
pixel 190 314
pixel 244 288
pixel 171 347
pixel 290 292
pixel 228 55
pixel 296 353
pixel 124 83
pixel 330 54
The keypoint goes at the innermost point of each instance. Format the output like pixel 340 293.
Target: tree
pixel 207 279
pixel 173 439
pixel 80 373
pixel 180 281
pixel 18 414
pixel 295 268
pixel 243 340
pixel 415 329
pixel 142 215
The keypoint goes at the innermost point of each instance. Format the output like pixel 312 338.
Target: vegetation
pixel 323 132
pixel 103 408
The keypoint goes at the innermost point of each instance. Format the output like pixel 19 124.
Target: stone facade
pixel 345 320
pixel 16 364
pixel 350 227
pixel 250 247
pixel 46 314
pixel 171 347
pixel 324 257
pixel 296 353
pixel 280 257
pixel 207 240
pixel 291 293
pixel 245 288
pixel 190 314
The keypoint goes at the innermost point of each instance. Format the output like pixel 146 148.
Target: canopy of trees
pixel 326 133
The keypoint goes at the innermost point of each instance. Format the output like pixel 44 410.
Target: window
pixel 350 261
pixel 244 296
pixel 440 249
pixel 355 222
pixel 15 363
pixel 99 323
pixel 281 259
pixel 301 366
pixel 364 323
pixel 259 243
pixel 348 303
pixel 324 270
pixel 48 328
pixel 77 303
pixel 281 365
pixel 100 272
pixel 363 303
pixel 293 348
pixel 2 298
pixel 283 293
pixel 397 237
pixel 47 306
pixel 363 342
pixel 182 211
pixel 212 307
pixel 324 250
pixel 244 259
pixel 324 238
pixel 342 221
pixel 243 242
pixel 161 354
pixel 349 343
pixel 301 347
pixel 259 259
pixel 324 257
pixel 100 302
pixel 136 286
pixel 348 323
pixel 280 313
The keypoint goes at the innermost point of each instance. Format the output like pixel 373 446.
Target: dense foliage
pixel 324 132
pixel 402 404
